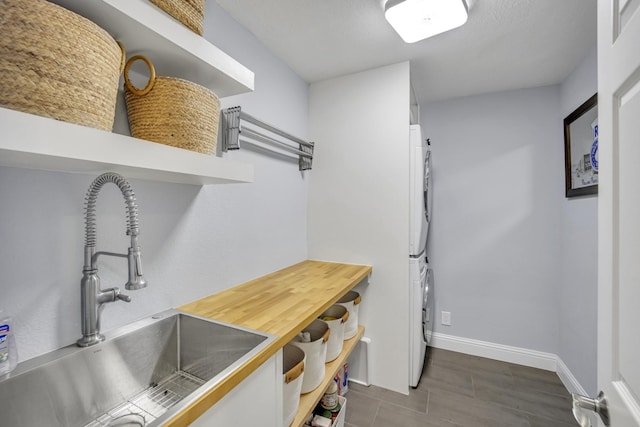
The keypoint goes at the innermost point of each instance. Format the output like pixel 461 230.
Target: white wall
pixel 495 242
pixel 359 201
pixel 195 240
pixel 578 294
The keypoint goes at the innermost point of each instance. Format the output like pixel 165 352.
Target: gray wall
pixel 495 240
pixel 195 240
pixel 578 294
pixel 514 260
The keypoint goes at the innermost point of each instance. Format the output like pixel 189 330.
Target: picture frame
pixel 581 149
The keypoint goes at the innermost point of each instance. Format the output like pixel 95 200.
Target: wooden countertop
pixel 281 303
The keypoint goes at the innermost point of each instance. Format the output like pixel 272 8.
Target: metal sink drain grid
pixel 151 403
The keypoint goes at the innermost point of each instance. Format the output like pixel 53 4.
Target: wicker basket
pixel 189 12
pixel 172 111
pixel 57 64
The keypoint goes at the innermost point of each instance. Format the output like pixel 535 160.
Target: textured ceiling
pixel 505 44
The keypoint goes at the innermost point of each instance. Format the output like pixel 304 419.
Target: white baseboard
pixel 569 380
pixel 504 353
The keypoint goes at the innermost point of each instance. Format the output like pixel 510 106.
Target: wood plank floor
pixel 459 390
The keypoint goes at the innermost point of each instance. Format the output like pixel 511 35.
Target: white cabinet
pixel 35 142
pixel 256 401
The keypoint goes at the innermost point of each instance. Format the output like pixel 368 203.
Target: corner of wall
pixel 568 379
pixel 360 213
pixel 577 349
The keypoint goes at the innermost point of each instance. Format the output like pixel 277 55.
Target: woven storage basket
pixel 172 111
pixel 189 12
pixel 57 64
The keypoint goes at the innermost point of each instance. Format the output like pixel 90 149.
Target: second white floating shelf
pixel 35 142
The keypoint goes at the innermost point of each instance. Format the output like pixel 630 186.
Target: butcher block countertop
pixel 281 303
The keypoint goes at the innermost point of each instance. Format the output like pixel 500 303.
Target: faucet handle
pixel 123 297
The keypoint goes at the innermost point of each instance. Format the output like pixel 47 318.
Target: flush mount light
pixel 415 20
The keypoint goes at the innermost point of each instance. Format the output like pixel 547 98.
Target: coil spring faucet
pixel 92 297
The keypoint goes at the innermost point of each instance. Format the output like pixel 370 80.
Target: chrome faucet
pixel 92 297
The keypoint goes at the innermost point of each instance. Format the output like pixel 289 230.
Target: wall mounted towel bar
pixel 232 129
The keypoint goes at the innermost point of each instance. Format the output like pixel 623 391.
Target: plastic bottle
pixel 8 350
pixel 330 402
pixel 330 398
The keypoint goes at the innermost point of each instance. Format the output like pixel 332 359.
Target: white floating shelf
pixel 35 142
pixel 174 50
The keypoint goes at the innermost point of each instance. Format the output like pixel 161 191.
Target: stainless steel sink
pixel 142 374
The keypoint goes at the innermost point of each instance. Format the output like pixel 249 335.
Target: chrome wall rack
pixel 233 128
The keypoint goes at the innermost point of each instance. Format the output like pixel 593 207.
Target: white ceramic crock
pixel 340 316
pixel 351 301
pixel 293 375
pixel 315 352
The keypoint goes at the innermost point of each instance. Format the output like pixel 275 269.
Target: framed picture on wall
pixel 581 149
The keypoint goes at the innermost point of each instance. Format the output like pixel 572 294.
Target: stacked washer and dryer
pixel 420 275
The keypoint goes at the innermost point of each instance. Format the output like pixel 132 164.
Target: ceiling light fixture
pixel 415 20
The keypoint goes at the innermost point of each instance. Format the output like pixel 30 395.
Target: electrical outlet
pixel 446 318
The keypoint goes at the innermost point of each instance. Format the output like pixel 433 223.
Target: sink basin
pixel 142 374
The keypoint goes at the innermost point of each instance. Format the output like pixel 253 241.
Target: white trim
pixel 568 379
pixel 362 383
pixel 505 353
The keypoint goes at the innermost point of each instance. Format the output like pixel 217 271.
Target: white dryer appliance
pixel 421 292
pixel 420 191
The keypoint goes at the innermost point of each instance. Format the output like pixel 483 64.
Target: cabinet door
pixel 256 401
